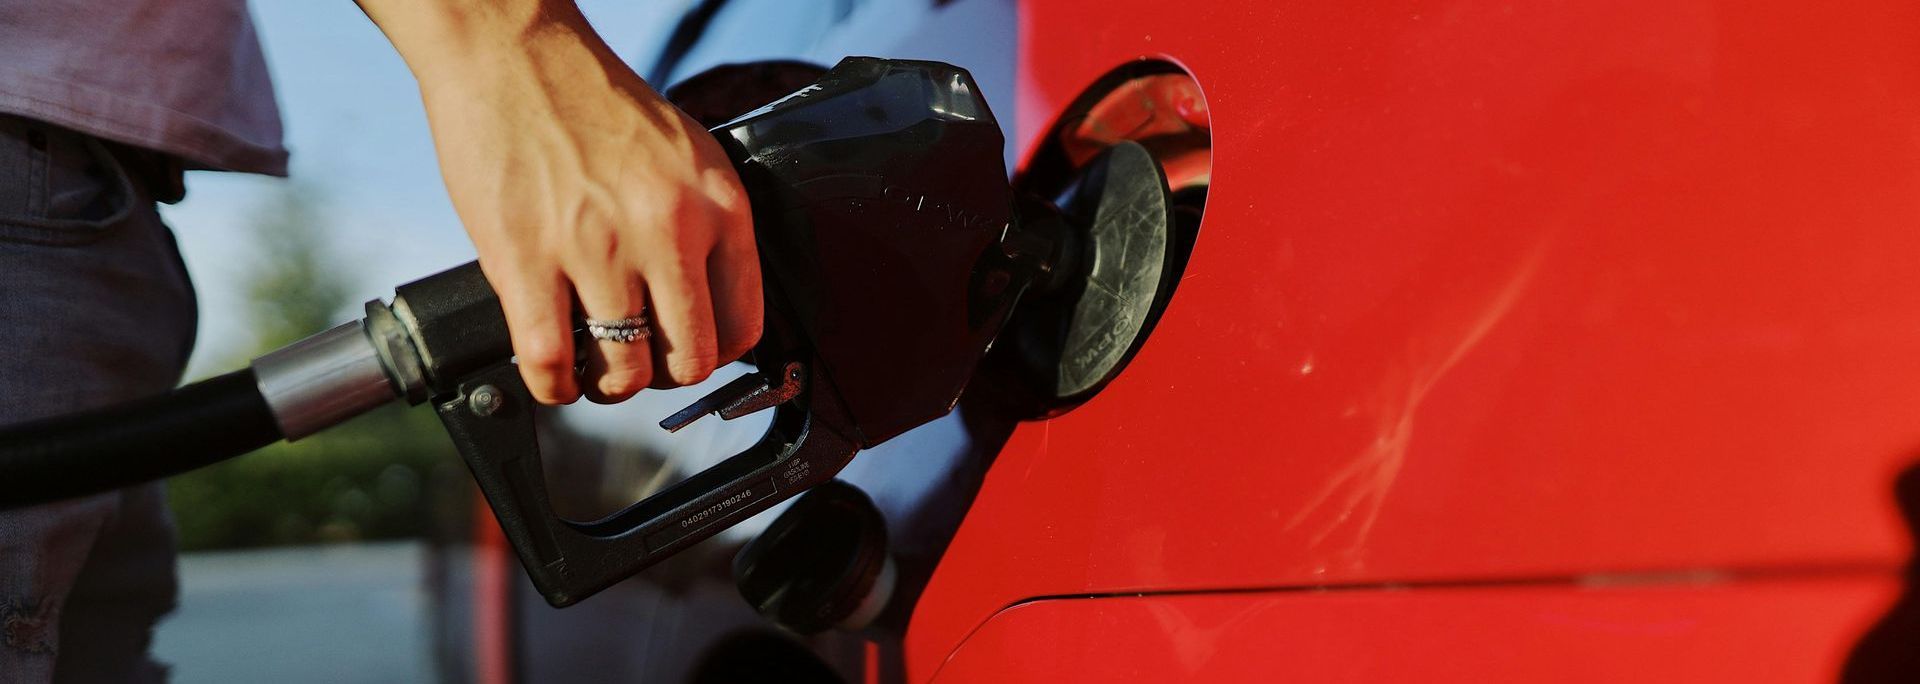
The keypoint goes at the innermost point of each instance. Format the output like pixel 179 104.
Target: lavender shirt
pixel 184 77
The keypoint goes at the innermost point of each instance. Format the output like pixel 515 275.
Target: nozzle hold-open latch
pixel 745 395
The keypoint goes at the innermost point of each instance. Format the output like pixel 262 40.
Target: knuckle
pixel 545 357
pixel 740 341
pixel 689 259
pixel 626 379
pixel 748 325
pixel 590 247
pixel 619 386
pixel 678 265
pixel 752 318
pixel 689 248
pixel 545 373
pixel 692 367
pixel 739 218
pixel 655 213
pixel 545 388
pixel 684 208
pixel 603 244
pixel 723 187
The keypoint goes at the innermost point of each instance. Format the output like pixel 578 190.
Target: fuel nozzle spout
pixel 321 381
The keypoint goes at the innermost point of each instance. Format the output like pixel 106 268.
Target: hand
pixel 578 183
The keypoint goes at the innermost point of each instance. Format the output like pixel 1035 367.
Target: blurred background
pixel 344 557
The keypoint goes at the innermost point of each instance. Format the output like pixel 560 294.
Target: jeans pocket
pixel 57 187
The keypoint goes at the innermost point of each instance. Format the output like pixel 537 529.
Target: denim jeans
pixel 95 308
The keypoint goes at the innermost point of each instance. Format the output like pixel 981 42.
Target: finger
pixel 738 314
pixel 538 308
pixel 685 350
pixel 615 370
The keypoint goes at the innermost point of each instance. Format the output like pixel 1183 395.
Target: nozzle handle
pixel 491 418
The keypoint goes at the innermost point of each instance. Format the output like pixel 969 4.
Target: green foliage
pixel 297 287
pixel 366 479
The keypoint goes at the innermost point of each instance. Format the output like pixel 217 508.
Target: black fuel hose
pixel 138 441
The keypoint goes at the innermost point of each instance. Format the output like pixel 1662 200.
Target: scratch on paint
pixel 1361 486
pixel 1046 445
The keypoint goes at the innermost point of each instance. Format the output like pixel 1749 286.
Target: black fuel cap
pixel 1079 329
pixel 821 564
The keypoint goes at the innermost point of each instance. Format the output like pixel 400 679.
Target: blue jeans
pixel 95 308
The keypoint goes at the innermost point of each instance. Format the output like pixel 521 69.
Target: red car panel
pixel 1486 292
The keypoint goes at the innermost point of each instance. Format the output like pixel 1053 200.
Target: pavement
pixel 341 613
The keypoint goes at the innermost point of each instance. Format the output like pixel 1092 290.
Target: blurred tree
pixel 366 479
pixel 298 286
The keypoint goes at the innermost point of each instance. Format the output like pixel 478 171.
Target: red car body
pixel 1521 341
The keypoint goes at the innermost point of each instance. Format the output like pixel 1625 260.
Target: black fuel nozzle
pixel 891 259
pixel 892 255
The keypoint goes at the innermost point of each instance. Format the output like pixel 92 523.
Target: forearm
pixel 463 40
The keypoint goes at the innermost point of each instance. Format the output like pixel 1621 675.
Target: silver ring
pixel 621 330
